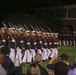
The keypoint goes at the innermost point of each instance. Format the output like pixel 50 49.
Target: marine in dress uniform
pixel 39 43
pixel 53 46
pixel 44 47
pixel 27 55
pixel 19 45
pixel 25 44
pixel 12 44
pixel 33 44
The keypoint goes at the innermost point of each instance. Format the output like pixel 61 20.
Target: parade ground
pixel 69 50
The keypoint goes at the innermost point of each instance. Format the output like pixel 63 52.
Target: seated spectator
pixel 38 60
pixel 33 69
pixel 8 65
pixel 60 69
pixel 63 58
pixel 2 59
pixel 73 71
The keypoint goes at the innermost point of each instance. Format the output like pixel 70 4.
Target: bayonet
pixel 26 27
pixel 37 28
pixel 49 30
pixel 10 25
pixel 31 26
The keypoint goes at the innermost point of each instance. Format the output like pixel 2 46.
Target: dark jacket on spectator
pixel 42 70
pixel 8 66
pixel 52 66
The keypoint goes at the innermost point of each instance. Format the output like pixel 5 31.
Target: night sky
pixel 27 4
pixel 8 7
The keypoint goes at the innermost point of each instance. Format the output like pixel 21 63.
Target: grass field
pixel 69 50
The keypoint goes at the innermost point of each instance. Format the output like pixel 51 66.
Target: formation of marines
pixel 25 44
pixel 67 39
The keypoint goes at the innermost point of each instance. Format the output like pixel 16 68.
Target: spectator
pixel 2 59
pixel 33 69
pixel 63 58
pixel 8 65
pixel 61 69
pixel 73 71
pixel 38 60
pixel 5 49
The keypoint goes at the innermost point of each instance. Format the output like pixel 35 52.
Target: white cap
pixel 33 31
pixel 11 28
pixel 3 28
pixel 48 33
pixel 27 30
pixel 38 31
pixel 20 29
pixel 44 33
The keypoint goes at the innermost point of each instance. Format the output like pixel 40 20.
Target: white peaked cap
pixel 11 28
pixel 20 29
pixel 3 28
pixel 27 30
pixel 33 31
pixel 38 31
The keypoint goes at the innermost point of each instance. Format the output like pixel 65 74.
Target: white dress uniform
pixel 27 56
pixel 12 54
pixel 53 51
pixel 24 57
pixel 19 54
pixel 44 52
pixel 38 46
pixel 33 53
pixel 39 51
pixel 48 53
pixel 19 51
pixel 12 50
pixel 32 47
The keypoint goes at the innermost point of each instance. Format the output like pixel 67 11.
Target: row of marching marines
pixel 25 44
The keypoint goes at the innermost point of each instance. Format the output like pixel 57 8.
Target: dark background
pixel 23 7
